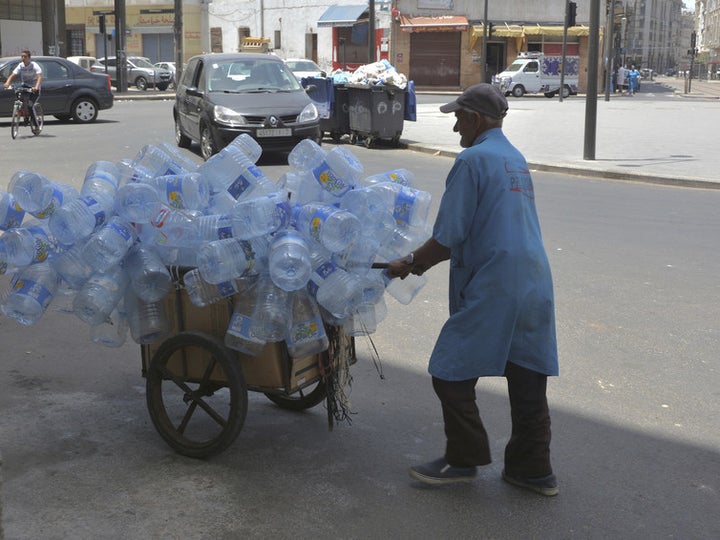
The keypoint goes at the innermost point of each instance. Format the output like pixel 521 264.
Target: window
pixel 53 70
pixel 278 34
pixel 532 67
pixel 21 10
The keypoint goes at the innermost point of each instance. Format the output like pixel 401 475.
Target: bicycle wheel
pixel 15 123
pixel 39 119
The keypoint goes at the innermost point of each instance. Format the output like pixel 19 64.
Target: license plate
pixel 279 132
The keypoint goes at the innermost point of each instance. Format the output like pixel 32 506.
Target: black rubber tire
pixel 566 91
pixel 39 119
pixel 84 110
pixel 141 83
pixel 518 91
pixel 303 399
pixel 14 124
pixel 208 148
pixel 162 86
pixel 173 400
pixel 180 138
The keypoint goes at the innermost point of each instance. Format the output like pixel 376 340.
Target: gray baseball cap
pixel 483 98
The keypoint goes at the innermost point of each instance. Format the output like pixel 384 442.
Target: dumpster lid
pixel 343 16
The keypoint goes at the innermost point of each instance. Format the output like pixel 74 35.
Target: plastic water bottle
pixel 271 315
pixel 334 170
pixel 101 177
pixel 331 227
pixel 370 208
pixel 178 157
pixel 403 240
pixel 130 172
pixel 365 319
pixel 214 227
pixel 11 213
pixel 171 228
pixel 27 245
pixel 232 170
pixel 306 332
pixel 72 267
pixel 137 202
pixel 334 289
pixel 112 332
pixel 239 335
pixel 32 292
pixel 159 162
pixel 78 219
pixel 247 145
pixel 202 293
pixel 289 260
pixel 301 188
pixel 403 177
pixel 359 256
pixel 231 258
pixel 149 278
pixel 107 247
pixel 147 321
pixel 39 196
pixel 409 206
pixel 185 191
pixel 221 202
pixel 259 216
pixel 100 295
pixel 404 290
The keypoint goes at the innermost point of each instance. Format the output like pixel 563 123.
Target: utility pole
pixel 483 55
pixel 609 56
pixel 592 76
pixel 120 53
pixel 564 50
pixel 177 34
pixel 371 32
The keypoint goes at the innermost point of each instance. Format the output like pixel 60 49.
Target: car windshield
pixel 251 76
pixel 302 65
pixel 142 63
pixel 515 66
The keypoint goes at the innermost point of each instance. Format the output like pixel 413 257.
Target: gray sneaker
pixel 441 472
pixel 544 485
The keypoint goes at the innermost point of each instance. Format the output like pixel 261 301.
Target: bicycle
pixel 21 112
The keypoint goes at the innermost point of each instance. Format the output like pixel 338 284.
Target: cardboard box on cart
pixel 273 369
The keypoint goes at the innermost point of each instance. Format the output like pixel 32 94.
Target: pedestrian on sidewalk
pixel 633 80
pixel 621 74
pixel 502 317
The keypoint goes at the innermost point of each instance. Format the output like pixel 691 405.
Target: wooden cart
pixel 197 388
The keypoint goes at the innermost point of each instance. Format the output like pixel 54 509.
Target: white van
pixel 83 61
pixel 532 73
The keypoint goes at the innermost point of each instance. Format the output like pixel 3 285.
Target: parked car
pixel 304 68
pixel 83 61
pixel 647 73
pixel 67 92
pixel 141 73
pixel 220 96
pixel 170 66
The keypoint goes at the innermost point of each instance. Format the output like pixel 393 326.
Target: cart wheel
pixel 353 138
pixel 336 135
pixel 301 400
pixel 196 394
pixel 369 141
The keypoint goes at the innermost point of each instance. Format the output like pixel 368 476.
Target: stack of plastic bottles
pixel 292 254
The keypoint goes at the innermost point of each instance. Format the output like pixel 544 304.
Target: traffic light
pixel 572 12
pixel 491 27
pixel 693 39
pixel 101 18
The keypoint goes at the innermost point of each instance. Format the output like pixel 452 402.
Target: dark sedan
pixel 67 91
pixel 221 96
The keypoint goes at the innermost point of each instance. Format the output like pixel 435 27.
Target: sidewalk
pixel 668 141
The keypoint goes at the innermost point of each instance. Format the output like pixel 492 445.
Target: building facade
pixel 35 25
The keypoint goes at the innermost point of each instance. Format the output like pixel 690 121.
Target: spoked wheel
pixel 196 394
pixel 39 119
pixel 15 124
pixel 302 399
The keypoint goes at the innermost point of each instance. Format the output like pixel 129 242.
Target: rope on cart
pixel 335 369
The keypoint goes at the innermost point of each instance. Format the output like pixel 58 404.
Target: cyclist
pixel 31 75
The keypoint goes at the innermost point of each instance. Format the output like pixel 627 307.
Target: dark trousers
pixel 527 453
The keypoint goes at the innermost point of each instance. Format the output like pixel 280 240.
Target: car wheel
pixel 207 144
pixel 162 86
pixel 180 139
pixel 141 83
pixel 518 91
pixel 84 110
pixel 566 91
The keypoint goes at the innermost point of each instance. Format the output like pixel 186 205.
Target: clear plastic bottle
pixel 147 321
pixel 370 208
pixel 301 188
pixel 72 267
pixel 149 278
pixel 28 245
pixel 39 196
pixel 100 295
pixel 233 171
pixel 247 145
pixel 259 215
pixel 130 172
pixel 239 335
pixel 112 332
pixel 334 289
pixel 178 156
pixel 306 333
pixel 101 177
pixel 231 258
pixel 11 213
pixel 404 290
pixel 184 191
pixel 137 202
pixel 335 170
pixel 77 220
pixel 32 292
pixel 214 227
pixel 329 226
pixel 221 202
pixel 409 206
pixel 172 228
pixel 159 162
pixel 108 245
pixel 202 293
pixel 271 315
pixel 403 177
pixel 289 260
pixel 402 241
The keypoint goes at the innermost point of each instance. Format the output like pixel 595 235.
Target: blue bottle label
pixel 226 288
pixel 329 180
pixel 225 231
pixel 247 248
pixel 318 220
pixel 240 326
pixel 403 206
pixel 13 216
pixel 96 208
pixel 306 331
pixel 173 191
pixel 320 274
pixel 239 186
pixel 122 230
pixel 34 290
